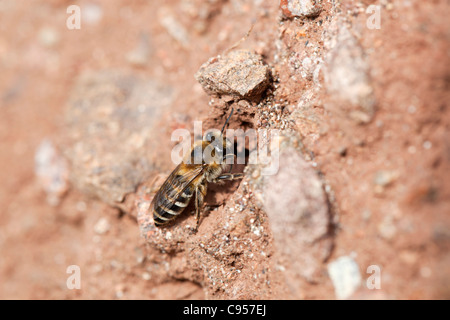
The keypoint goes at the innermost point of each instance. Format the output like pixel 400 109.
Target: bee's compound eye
pixel 209 136
pixel 218 149
pixel 212 135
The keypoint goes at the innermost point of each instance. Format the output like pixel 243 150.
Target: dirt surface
pixel 86 118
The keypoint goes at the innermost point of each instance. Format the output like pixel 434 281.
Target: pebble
pixel 140 257
pixel 102 226
pixel 301 8
pixel 342 151
pixel 52 171
pixel 345 275
pixel 173 27
pixel 240 73
pixel 427 145
pixel 146 276
pixel 140 55
pixel 48 37
pixel 346 73
pixel 119 290
pixel 384 178
pixel 91 13
pixel 387 228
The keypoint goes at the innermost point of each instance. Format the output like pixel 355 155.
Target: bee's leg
pixel 228 176
pixel 230 155
pixel 200 193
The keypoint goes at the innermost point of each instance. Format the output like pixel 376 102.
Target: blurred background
pixel 86 114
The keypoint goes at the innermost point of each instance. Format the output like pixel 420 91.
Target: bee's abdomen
pixel 167 209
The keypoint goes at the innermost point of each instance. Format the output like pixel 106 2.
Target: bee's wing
pixel 176 184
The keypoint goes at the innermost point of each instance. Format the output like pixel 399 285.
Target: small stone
pixel 139 56
pixel 119 290
pixel 256 174
pixel 91 13
pixel 48 37
pixel 345 275
pixel 146 276
pixel 360 117
pixel 387 228
pixel 427 145
pixel 140 257
pixel 307 69
pixel 301 8
pixel 102 226
pixel 346 73
pixel 384 178
pixel 244 104
pixel 173 27
pixel 342 151
pixel 52 171
pixel 240 73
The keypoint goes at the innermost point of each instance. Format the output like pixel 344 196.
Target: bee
pixel 206 163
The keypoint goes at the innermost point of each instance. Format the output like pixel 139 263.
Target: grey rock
pixel 297 207
pixel 301 8
pixel 346 73
pixel 110 121
pixel 240 74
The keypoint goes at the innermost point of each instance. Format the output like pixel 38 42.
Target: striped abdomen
pixel 166 208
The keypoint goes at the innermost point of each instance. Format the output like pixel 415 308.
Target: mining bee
pixel 205 164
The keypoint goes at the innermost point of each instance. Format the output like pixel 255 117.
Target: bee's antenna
pixel 231 113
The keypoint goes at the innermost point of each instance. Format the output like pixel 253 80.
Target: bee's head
pixel 215 139
pixel 212 135
pixel 216 144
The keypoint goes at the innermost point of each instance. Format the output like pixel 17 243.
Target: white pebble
pixel 427 145
pixel 102 226
pixel 345 275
